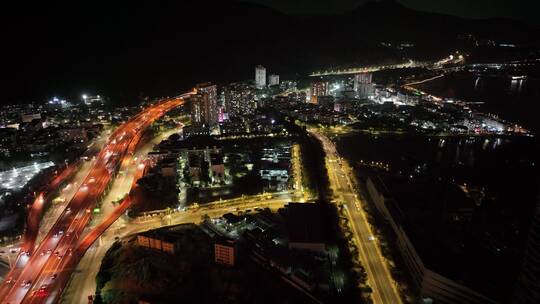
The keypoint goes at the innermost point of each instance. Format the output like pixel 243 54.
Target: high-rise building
pixel 363 85
pixel 198 105
pixel 365 90
pixel 239 99
pixel 318 88
pixel 273 79
pixel 260 76
pixel 210 111
pixel 362 78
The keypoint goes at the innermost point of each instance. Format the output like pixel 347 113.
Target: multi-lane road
pixel 35 214
pixel 439 64
pixel 44 269
pixel 83 283
pixel 379 278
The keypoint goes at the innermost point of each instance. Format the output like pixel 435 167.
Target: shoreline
pixel 412 87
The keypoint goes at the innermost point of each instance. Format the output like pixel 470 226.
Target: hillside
pixel 155 49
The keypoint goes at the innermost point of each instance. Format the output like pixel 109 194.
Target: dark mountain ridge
pixel 160 48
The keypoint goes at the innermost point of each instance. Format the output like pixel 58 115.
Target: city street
pixel 83 283
pixel 405 147
pixel 47 267
pixel 379 278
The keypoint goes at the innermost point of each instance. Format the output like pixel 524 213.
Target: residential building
pixel 198 105
pixel 209 94
pixel 362 78
pixel 225 252
pixel 239 99
pixel 273 79
pixel 232 127
pixel 217 167
pixel 260 76
pixel 364 90
pixel 158 241
pixel 195 130
pixel 432 285
pixel 168 166
pixel 318 88
pixel 195 161
pixel 363 85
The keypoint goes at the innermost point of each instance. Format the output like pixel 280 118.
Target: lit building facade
pixel 153 241
pixel 198 108
pixel 92 100
pixel 225 252
pixel 432 286
pixel 362 78
pixel 260 76
pixel 365 90
pixel 209 94
pixel 239 99
pixel 318 88
pixel 273 79
pixel 363 85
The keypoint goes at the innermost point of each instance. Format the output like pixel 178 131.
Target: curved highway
pixel 49 264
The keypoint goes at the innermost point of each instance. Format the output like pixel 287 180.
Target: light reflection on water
pixel 515 100
pixel 447 156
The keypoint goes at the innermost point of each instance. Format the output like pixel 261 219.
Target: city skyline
pixel 273 153
pixel 109 52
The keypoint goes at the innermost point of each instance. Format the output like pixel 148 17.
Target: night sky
pixel 131 48
pixel 526 10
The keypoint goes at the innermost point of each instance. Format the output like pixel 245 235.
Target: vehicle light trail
pixel 379 277
pixel 40 271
